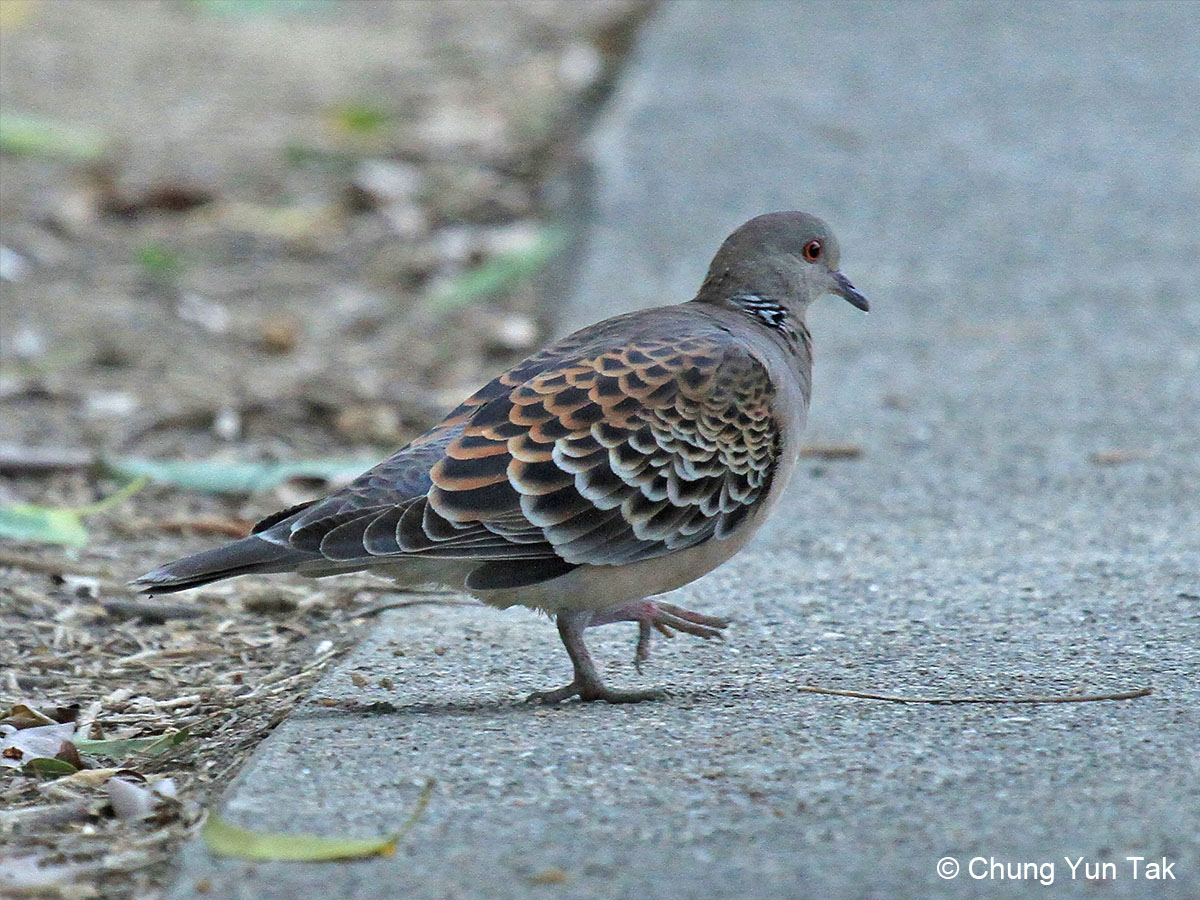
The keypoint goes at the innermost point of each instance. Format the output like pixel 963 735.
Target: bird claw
pixel 666 618
pixel 642 653
pixel 558 695
pixel 591 692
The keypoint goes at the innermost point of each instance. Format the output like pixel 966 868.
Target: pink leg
pixel 665 617
pixel 586 685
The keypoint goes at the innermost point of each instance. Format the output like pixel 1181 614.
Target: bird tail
pixel 249 555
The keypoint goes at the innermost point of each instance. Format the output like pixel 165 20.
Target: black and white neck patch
pixel 772 314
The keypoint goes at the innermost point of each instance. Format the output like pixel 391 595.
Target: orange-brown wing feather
pixel 603 453
pixel 623 455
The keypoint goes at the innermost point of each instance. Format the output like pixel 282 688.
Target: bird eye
pixel 812 251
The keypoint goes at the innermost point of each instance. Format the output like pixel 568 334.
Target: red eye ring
pixel 812 251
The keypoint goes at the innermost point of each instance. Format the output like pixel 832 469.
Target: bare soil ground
pixel 252 248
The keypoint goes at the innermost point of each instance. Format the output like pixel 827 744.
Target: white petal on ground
pixel 42 742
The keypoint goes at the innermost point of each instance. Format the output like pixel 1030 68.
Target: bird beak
pixel 845 289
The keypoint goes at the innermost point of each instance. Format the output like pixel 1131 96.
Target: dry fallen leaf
pixel 279 335
pixel 122 748
pixel 552 875
pixel 22 715
pixel 1117 457
pixel 225 839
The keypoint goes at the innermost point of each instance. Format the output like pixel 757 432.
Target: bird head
pixel 788 257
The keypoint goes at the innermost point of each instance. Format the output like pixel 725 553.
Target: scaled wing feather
pixel 602 449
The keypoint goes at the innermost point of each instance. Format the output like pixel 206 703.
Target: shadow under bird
pixel 621 462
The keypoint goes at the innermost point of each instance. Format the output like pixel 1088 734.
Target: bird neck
pixel 781 322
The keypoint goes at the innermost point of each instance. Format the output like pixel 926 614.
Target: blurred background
pixel 296 226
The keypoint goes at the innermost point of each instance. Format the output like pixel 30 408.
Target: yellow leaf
pixel 225 839
pixel 230 840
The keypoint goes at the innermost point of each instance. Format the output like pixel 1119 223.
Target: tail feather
pixel 249 555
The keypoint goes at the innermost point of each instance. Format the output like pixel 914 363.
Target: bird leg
pixel 587 684
pixel 665 617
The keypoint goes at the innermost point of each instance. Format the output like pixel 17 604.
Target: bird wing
pixel 603 451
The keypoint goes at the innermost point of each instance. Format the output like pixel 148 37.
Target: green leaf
pixel 44 765
pixel 43 525
pixel 112 500
pixel 33 136
pixel 46 525
pixel 124 747
pixel 159 262
pixel 360 119
pixel 229 840
pixel 500 274
pixel 220 477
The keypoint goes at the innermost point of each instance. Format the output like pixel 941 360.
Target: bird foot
pixel 590 692
pixel 666 618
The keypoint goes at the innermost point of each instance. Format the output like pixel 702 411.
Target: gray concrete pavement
pixel 1015 188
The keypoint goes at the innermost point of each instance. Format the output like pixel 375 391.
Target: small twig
pixel 49 816
pixel 58 565
pixel 401 604
pixel 418 809
pixel 1063 698
pixel 23 681
pixel 19 460
pixel 831 451
pixel 279 682
pixel 1117 457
